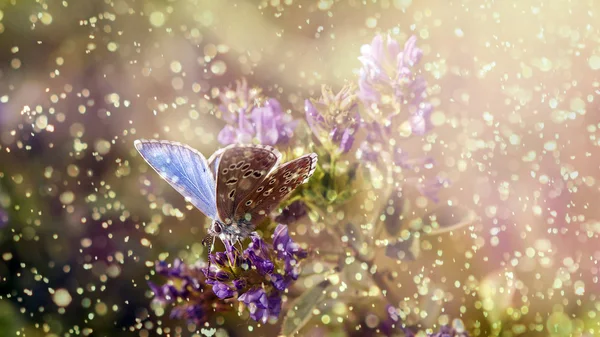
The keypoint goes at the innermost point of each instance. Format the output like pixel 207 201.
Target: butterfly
pixel 237 187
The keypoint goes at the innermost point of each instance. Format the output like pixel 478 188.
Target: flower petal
pixel 227 135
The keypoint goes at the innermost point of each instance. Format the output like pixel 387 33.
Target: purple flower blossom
pixel 393 94
pixel 247 122
pixel 222 290
pixel 388 85
pixel 334 118
pixel 259 274
pixel 186 289
pixel 261 305
pixel 395 97
pixel 288 251
pixel 263 266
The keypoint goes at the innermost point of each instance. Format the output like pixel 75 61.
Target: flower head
pixel 258 275
pixel 261 304
pixel 334 118
pixel 238 101
pixel 186 289
pixel 390 88
pixel 248 122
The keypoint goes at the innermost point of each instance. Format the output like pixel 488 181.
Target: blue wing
pixel 183 168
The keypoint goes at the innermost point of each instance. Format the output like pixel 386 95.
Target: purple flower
pixel 334 118
pixel 394 95
pixel 258 275
pixel 185 288
pixel 222 290
pixel 288 251
pixel 246 122
pixel 263 266
pixel 238 101
pixel 240 284
pixel 285 246
pixel 279 282
pixel 387 82
pixel 261 305
pixel 391 323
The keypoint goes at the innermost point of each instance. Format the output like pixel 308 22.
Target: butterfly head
pixel 215 229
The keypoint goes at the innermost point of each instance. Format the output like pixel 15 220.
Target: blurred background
pixel 515 86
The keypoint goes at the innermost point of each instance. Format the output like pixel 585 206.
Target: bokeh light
pixel 508 248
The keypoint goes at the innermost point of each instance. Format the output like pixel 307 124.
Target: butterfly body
pixel 237 187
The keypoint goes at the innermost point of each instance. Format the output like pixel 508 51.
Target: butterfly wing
pixel 275 188
pixel 240 169
pixel 185 169
pixel 213 162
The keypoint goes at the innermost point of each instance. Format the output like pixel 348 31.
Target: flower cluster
pixel 394 95
pixel 334 118
pixel 185 288
pixel 259 275
pixel 247 122
pixel 387 83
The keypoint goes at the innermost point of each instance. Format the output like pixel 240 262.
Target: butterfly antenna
pixel 210 249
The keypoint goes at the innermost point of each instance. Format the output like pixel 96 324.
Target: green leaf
pixel 446 218
pixel 302 308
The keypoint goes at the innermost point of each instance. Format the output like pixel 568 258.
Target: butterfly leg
pixel 241 247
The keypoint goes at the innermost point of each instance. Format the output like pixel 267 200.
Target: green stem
pixel 386 193
pixel 333 160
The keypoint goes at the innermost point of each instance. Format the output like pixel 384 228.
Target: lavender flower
pixel 334 118
pixel 261 305
pixel 394 95
pixel 258 275
pixel 185 287
pixel 247 122
pixel 387 83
